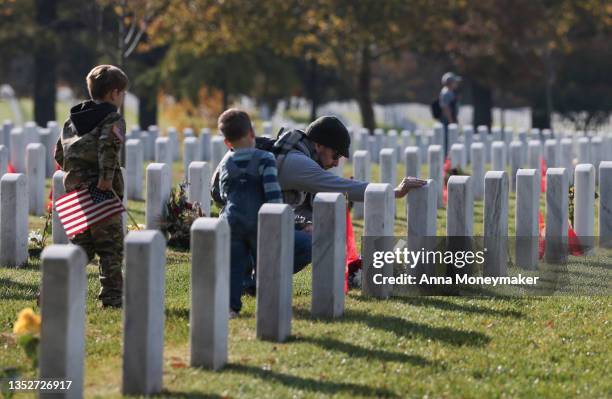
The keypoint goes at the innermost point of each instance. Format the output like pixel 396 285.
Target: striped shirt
pixel 267 171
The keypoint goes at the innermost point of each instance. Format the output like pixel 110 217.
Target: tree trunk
pixel 225 90
pixel 483 105
pixel 364 95
pixel 311 87
pixel 147 109
pixel 540 115
pixel 225 99
pixel 45 59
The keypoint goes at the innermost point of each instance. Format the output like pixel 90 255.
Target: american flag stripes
pixel 80 209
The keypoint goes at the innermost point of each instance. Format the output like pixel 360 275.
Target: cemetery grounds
pixel 549 346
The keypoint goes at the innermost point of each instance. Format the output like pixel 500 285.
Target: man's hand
pixel 407 184
pixel 105 185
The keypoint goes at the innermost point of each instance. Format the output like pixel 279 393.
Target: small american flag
pixel 80 209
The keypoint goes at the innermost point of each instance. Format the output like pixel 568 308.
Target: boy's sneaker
pixel 233 314
pixel 112 302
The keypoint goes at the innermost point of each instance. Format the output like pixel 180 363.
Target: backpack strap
pixel 288 141
pixel 252 167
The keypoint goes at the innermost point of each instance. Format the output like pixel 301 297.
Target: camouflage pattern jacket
pixel 89 147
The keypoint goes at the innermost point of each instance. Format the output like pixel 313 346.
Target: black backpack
pixel 267 144
pixel 436 110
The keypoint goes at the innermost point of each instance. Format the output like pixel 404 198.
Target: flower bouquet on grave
pixel 37 239
pixel 180 215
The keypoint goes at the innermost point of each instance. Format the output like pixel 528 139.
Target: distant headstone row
pixel 501 145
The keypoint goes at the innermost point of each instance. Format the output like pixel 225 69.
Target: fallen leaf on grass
pixel 177 363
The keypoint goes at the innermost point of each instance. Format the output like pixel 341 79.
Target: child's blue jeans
pixel 244 253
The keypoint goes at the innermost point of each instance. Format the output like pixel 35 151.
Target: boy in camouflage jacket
pixel 89 151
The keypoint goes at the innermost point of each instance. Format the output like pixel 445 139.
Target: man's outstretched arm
pixel 303 174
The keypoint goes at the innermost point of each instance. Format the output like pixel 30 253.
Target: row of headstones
pixel 14 216
pixel 135 159
pixel 38 162
pixel 205 147
pixel 526 183
pixel 362 140
pixel 589 149
pixel 64 287
pixel 35 174
pixel 14 234
pixel 16 140
pixel 30 151
pixel 198 175
pixel 211 148
pixel 14 221
pixel 422 216
pixel 520 156
pixel 141 146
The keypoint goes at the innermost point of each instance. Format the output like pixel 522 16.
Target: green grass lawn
pixel 556 346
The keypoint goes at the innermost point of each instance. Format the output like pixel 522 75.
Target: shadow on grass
pixel 445 305
pixel 310 384
pixel 331 344
pixel 394 324
pixel 179 313
pixel 16 290
pixel 33 263
pixel 588 275
pixel 603 265
pixel 404 328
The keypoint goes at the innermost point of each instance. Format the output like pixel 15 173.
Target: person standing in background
pixel 449 103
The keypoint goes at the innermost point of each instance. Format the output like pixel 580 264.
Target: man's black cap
pixel 330 132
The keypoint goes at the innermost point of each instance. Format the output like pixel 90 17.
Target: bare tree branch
pixel 136 41
pixel 130 33
pixel 143 28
